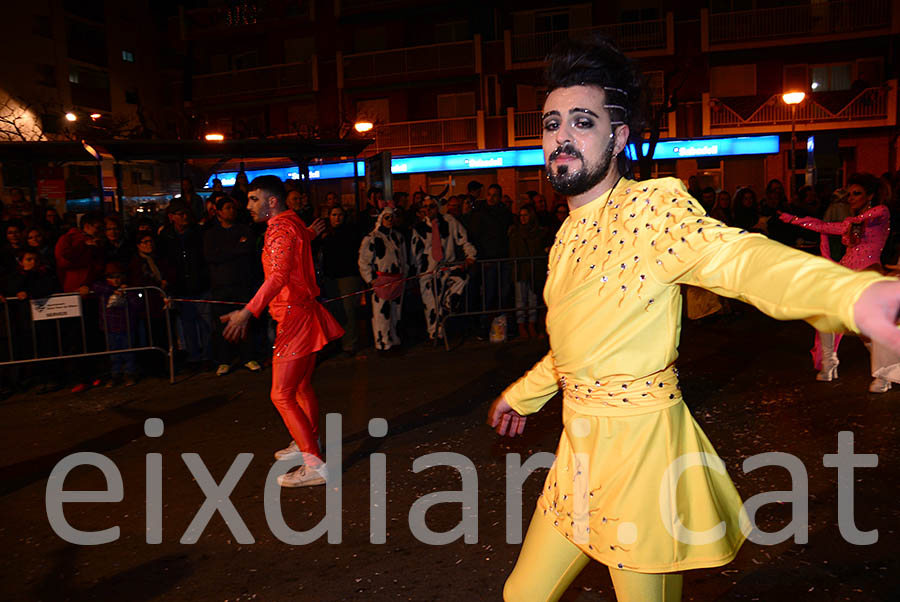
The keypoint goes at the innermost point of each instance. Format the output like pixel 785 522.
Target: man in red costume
pixel 304 326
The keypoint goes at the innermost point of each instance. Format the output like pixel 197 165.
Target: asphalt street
pixel 747 379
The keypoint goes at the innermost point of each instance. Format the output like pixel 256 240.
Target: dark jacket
pixel 340 252
pixel 529 241
pixel 230 254
pixel 37 284
pixel 489 230
pixel 184 252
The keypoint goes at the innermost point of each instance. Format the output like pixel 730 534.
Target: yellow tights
pixel 548 563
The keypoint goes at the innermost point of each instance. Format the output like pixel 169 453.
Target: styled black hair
pixel 596 61
pixel 223 200
pixel 868 182
pixel 271 186
pixel 92 218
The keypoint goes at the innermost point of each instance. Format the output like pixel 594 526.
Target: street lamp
pixel 215 137
pixel 792 99
pixel 363 126
pixel 70 116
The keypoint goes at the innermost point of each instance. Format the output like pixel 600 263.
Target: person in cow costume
pixel 383 265
pixel 439 244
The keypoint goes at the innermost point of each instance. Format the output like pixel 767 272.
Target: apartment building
pixel 81 69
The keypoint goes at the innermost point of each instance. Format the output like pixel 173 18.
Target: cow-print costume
pixel 441 289
pixel 384 250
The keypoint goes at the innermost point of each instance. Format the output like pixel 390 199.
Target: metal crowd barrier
pixel 65 313
pixel 497 276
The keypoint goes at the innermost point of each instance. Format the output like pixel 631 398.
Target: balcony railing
pixel 651 37
pixel 411 61
pixel 824 110
pixel 300 76
pixel 239 14
pixel 436 134
pixel 815 19
pixel 527 130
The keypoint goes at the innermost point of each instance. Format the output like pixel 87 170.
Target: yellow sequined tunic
pixel 636 484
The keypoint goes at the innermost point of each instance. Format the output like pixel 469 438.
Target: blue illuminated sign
pixel 521 157
pixel 712 147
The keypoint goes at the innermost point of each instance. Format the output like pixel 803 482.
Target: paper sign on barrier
pixel 54 308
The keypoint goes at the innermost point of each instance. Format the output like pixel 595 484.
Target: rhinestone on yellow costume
pixel 636 484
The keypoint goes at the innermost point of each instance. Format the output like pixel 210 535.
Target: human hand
pixel 318 226
pixel 22 295
pixel 504 419
pixel 83 290
pixel 235 324
pixel 876 313
pixel 470 261
pixel 786 217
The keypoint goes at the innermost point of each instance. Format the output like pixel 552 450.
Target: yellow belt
pixel 621 395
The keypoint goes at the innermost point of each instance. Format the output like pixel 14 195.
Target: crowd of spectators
pixel 203 253
pixel 746 209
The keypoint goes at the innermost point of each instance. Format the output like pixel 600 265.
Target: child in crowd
pixel 33 279
pixel 118 310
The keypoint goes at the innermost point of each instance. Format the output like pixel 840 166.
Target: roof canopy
pixel 298 149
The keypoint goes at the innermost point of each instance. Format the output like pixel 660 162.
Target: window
pixel 127 56
pixel 46 75
pixel 454 31
pixel 86 42
pixel 132 97
pixel 550 21
pixel 639 14
pixel 870 71
pixel 830 77
pixel 530 98
pixel 369 39
pixel 41 26
pixel 456 105
pixel 733 80
pixel 656 87
pixel 376 110
pixel 141 174
pixel 795 77
pixel 727 6
pixel 297 50
pixel 245 60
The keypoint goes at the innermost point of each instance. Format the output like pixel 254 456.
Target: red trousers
pixel 295 400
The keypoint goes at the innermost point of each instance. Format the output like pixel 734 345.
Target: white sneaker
pixel 304 476
pixel 880 385
pixel 290 452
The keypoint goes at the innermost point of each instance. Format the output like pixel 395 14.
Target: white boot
pixel 830 362
pixel 880 385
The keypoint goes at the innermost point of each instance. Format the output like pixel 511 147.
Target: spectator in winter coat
pixel 79 256
pixel 229 250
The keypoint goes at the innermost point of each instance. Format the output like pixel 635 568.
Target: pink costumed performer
pixel 864 234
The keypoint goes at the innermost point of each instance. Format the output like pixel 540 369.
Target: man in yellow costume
pixel 636 485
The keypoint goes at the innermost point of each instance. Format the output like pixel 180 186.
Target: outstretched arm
pixel 816 225
pixel 876 313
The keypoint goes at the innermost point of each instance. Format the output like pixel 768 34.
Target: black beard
pixel 574 182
